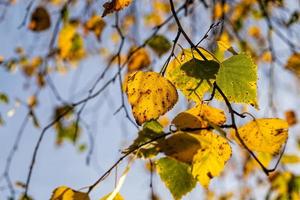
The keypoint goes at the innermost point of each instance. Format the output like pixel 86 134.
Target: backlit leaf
pixel 66 193
pixel 191 75
pixel 237 78
pixel 114 5
pixel 150 95
pixel 210 159
pixel 265 135
pixel 176 176
pixel 181 146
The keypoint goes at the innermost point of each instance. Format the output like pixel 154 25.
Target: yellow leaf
pixel 254 31
pixel 220 10
pixel 65 193
pixel 199 117
pixel 117 197
pixel 95 24
pixel 139 60
pixel 267 56
pixel 70 43
pixel 150 95
pixel 265 135
pixel 293 63
pixel 115 5
pixel 290 159
pixel 210 159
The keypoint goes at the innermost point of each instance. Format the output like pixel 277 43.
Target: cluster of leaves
pixel 198 144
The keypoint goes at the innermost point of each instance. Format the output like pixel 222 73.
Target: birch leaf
pixel 150 95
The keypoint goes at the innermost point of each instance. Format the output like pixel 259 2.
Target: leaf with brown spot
pixel 150 95
pixel 210 159
pixel 264 135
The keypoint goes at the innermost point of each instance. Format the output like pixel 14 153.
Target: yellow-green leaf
pixel 210 159
pixel 150 95
pixel 265 135
pixel 190 74
pixel 66 193
pixel 237 78
pixel 176 176
pixel 150 131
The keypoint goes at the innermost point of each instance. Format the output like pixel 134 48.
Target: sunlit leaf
pixel 193 76
pixel 210 159
pixel 40 20
pixel 237 78
pixel 160 44
pixel 150 95
pixel 176 176
pixel 66 193
pixel 200 116
pixel 264 135
pixel 114 5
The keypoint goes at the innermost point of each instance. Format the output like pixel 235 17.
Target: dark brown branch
pixel 193 46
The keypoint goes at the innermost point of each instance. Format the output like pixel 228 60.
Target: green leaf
pixel 193 76
pixel 159 44
pixel 237 78
pixel 4 98
pixel 151 130
pixel 176 176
